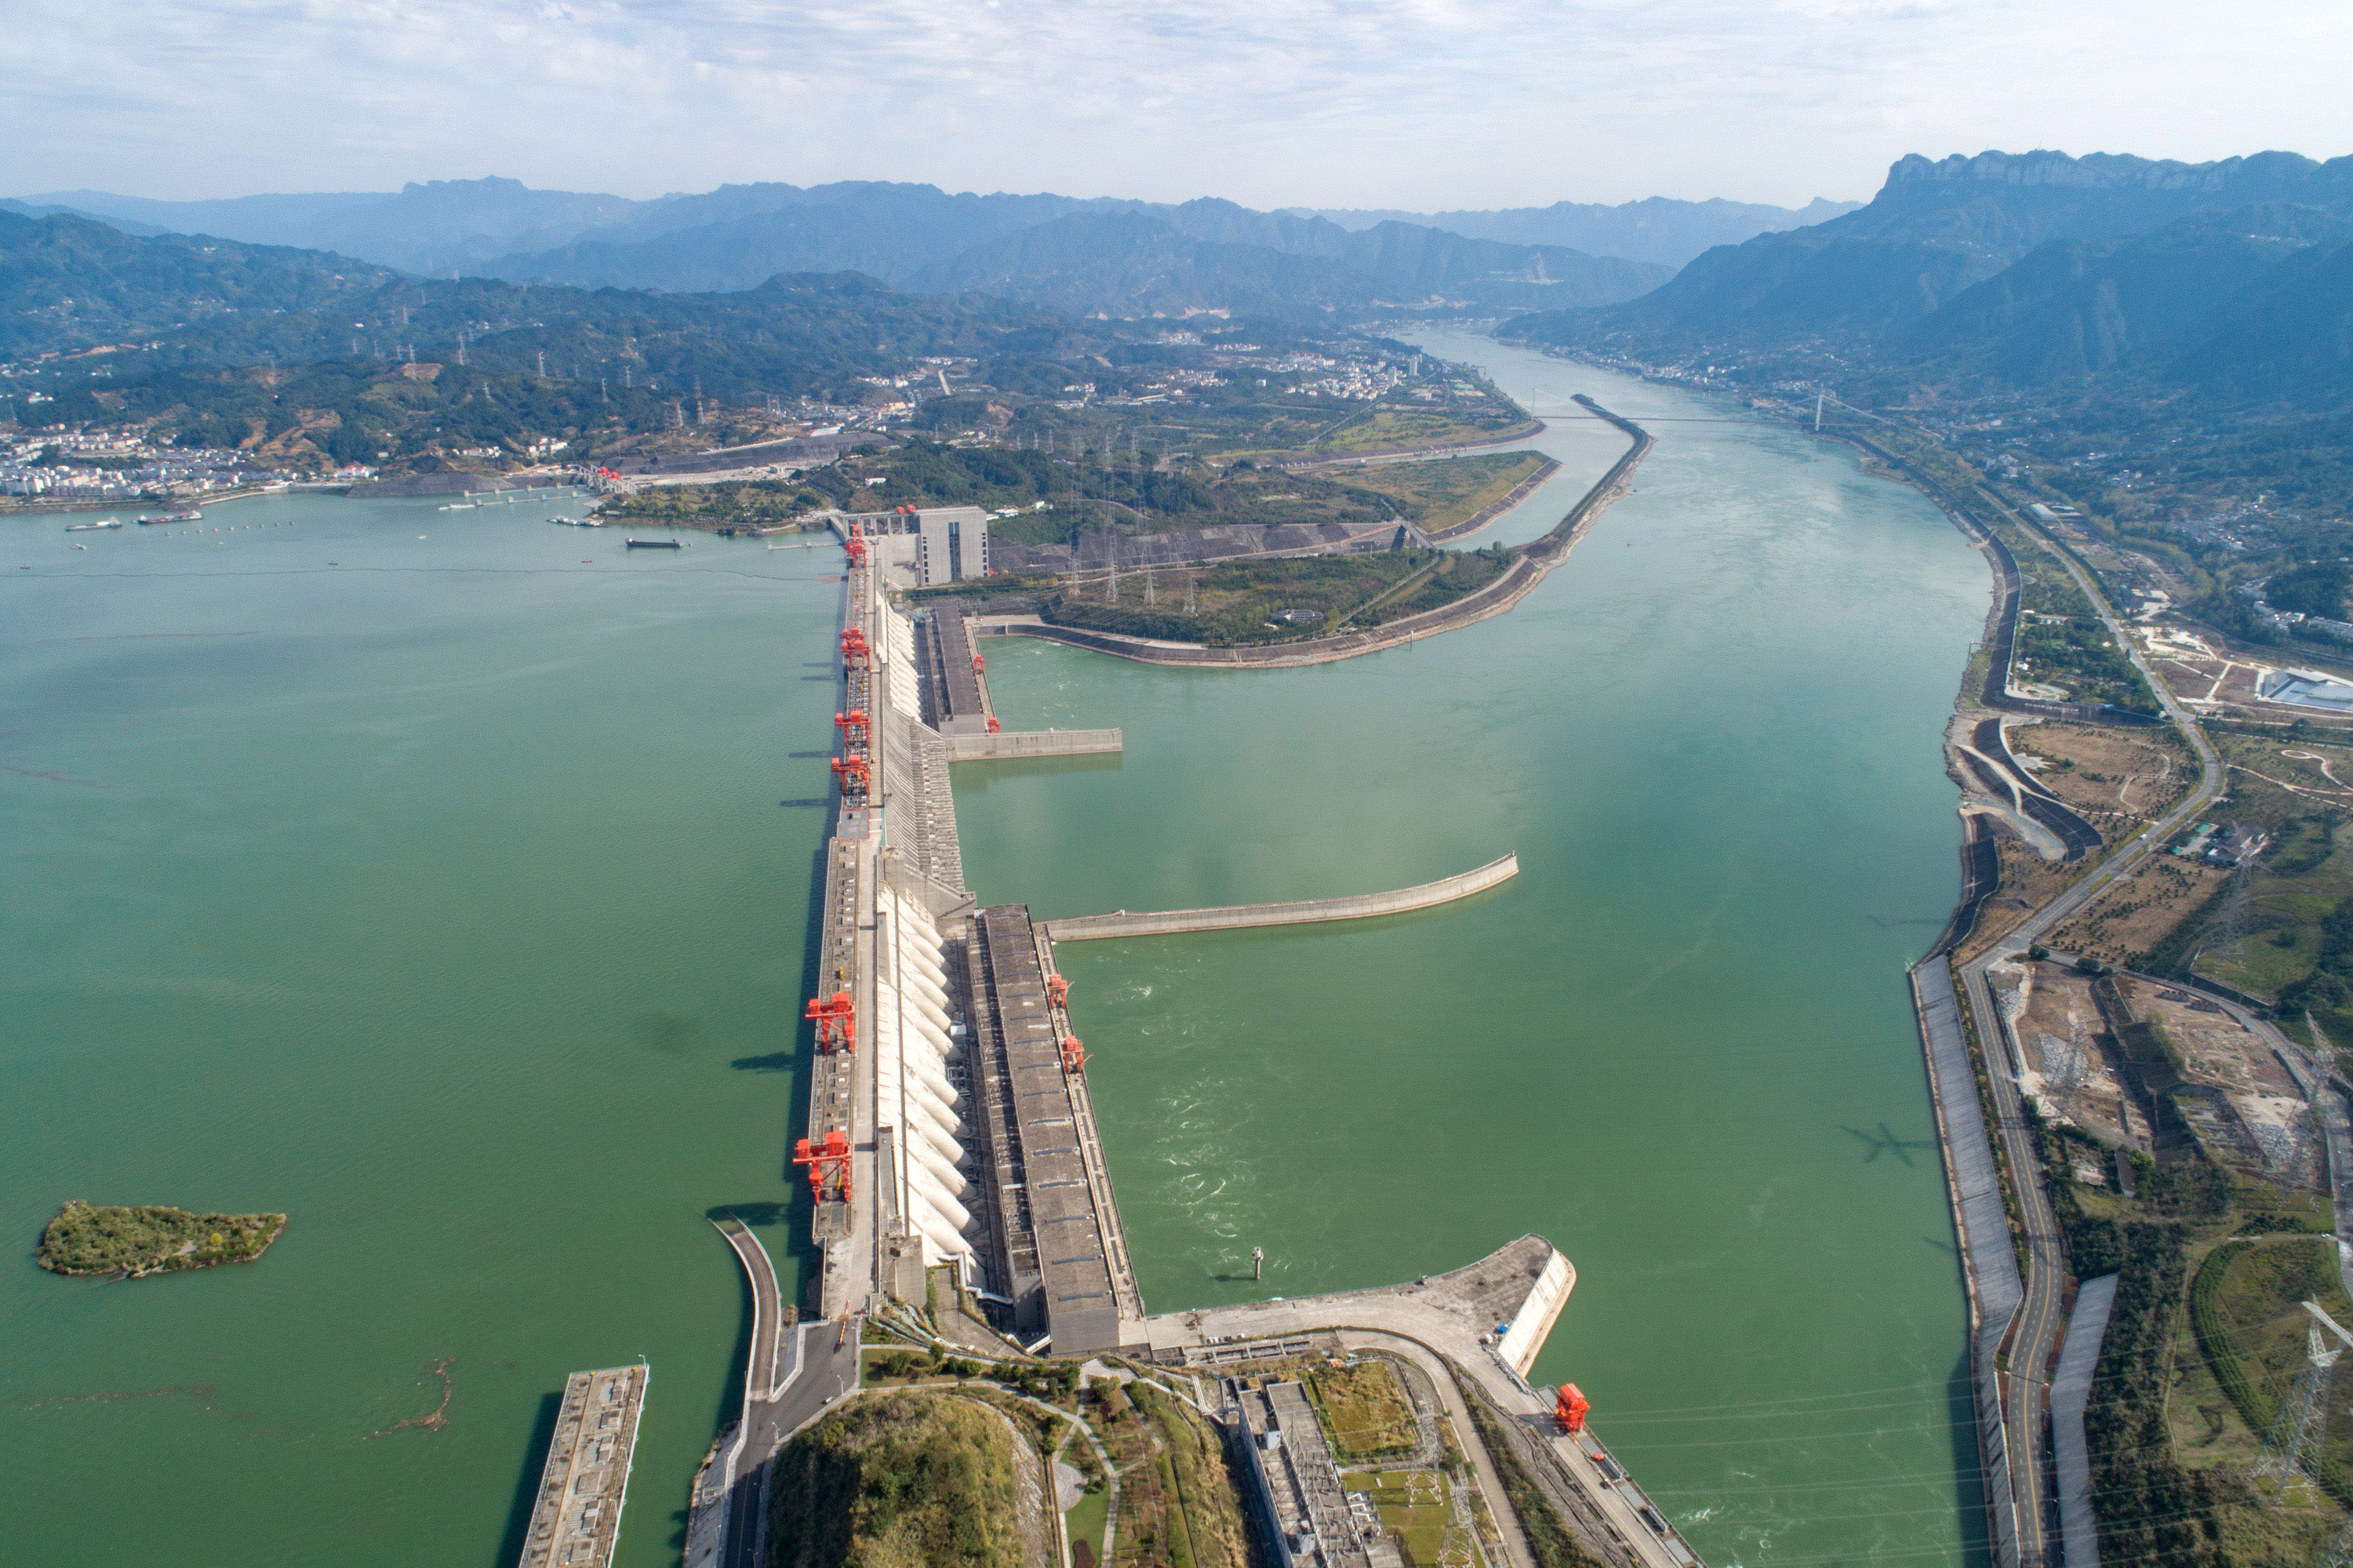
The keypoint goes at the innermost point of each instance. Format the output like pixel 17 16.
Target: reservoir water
pixel 452 898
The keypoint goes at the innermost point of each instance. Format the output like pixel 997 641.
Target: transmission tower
pixel 2339 1552
pixel 2294 1442
pixel 2229 926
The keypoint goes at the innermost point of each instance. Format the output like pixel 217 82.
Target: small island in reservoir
pixel 89 1238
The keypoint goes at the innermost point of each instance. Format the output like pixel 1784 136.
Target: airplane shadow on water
pixel 1886 1142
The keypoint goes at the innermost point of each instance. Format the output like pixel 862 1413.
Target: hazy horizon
pixel 1417 105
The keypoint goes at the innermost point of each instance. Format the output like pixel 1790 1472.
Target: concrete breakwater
pixel 1310 911
pixel 1528 568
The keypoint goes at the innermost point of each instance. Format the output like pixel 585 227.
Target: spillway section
pixel 945 1120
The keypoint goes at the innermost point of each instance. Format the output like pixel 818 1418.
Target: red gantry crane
pixel 1569 1409
pixel 829 1165
pixel 836 1018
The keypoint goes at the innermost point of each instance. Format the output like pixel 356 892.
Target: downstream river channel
pixel 442 879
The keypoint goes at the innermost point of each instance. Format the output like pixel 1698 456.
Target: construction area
pixel 2145 1065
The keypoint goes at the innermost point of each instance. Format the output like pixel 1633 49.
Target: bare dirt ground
pixel 2263 1122
pixel 2131 917
pixel 2111 777
pixel 2070 1066
pixel 2028 882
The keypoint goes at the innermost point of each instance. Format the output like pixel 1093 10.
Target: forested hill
pixel 2029 269
pixel 68 283
pixel 1088 256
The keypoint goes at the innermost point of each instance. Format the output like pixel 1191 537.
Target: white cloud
pixel 1415 103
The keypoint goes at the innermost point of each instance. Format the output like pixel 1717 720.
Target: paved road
pixel 824 1369
pixel 2037 1321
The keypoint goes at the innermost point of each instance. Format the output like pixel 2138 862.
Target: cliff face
pixel 2028 266
pixel 2111 171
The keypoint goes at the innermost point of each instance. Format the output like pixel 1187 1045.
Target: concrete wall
pixel 1031 742
pixel 1307 911
pixel 1532 1325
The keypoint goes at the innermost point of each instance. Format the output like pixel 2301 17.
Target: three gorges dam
pixel 951 1137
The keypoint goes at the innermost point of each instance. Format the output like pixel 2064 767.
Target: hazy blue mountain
pixel 2072 308
pixel 1130 264
pixel 69 283
pixel 738 236
pixel 1069 253
pixel 432 227
pixel 1934 230
pixel 1133 264
pixel 1657 229
pixel 2289 335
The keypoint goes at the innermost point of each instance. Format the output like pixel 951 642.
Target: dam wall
pixel 1531 1324
pixel 1237 916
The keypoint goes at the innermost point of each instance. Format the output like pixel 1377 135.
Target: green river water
pixel 452 898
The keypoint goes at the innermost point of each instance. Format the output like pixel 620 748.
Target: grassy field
pixel 86 1238
pixel 1084 1523
pixel 1364 1412
pixel 2302 874
pixel 2251 1335
pixel 1281 600
pixel 1444 492
pixel 1386 425
pixel 1412 1508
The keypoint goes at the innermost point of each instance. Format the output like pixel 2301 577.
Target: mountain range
pixel 2032 269
pixel 1098 255
pixel 1657 229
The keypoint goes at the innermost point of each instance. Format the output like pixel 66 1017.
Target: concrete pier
pixel 576 1520
pixel 1237 916
pixel 1013 744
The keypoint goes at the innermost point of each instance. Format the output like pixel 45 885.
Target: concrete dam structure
pixel 1238 916
pixel 951 1127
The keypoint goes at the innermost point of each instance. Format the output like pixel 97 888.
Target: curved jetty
pixel 1234 917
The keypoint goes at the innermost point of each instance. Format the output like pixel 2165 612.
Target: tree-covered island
pixel 89 1238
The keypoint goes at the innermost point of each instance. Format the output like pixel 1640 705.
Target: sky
pixel 1419 104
